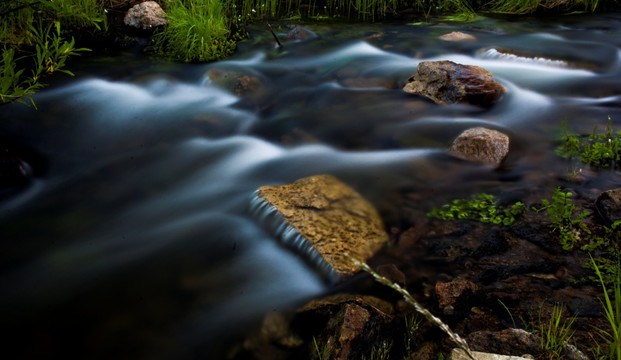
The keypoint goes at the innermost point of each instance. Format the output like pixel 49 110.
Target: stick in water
pixel 458 340
pixel 274 34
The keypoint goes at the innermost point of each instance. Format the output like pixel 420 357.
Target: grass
pixel 197 31
pixel 612 312
pixel 522 7
pixel 33 44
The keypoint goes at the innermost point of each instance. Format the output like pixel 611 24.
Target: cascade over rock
pixel 446 82
pixel 323 219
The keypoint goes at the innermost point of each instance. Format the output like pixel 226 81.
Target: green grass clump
pixel 600 150
pixel 196 31
pixel 521 7
pixel 555 333
pixel 481 207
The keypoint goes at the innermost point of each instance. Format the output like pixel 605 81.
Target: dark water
pixel 134 240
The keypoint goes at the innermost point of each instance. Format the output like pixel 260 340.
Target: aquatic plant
pixel 600 150
pixel 612 312
pixel 481 207
pixel 411 326
pixel 381 351
pixel 562 220
pixel 458 340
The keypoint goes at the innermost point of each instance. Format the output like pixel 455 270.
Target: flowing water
pixel 134 239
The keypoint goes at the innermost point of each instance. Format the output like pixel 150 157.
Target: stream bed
pixel 133 237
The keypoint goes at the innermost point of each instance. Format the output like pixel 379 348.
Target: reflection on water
pixel 137 241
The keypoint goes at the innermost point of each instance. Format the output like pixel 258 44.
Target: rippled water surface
pixel 134 239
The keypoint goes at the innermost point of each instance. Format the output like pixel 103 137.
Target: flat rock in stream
pixel 446 82
pixel 322 219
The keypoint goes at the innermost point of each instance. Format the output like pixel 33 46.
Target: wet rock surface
pixel 608 206
pixel 331 218
pixel 446 82
pixel 236 82
pixel 481 145
pixel 490 283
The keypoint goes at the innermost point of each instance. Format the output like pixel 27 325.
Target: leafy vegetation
pixel 481 207
pixel 33 44
pixel 599 150
pixel 562 220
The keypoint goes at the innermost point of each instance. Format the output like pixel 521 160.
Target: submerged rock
pixel 608 206
pixel 236 82
pixel 446 82
pixel 299 33
pixel 146 15
pixel 481 145
pixel 457 36
pixel 324 220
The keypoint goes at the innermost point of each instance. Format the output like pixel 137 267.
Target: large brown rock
pixel 324 220
pixel 146 15
pixel 446 82
pixel 481 145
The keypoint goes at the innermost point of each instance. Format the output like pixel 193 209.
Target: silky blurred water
pixel 136 242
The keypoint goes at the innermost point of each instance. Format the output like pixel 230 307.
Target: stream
pixel 133 238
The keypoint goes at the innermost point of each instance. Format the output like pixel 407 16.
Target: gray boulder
pixel 481 145
pixel 145 16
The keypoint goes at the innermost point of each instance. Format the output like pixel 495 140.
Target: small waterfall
pixel 270 218
pixel 495 54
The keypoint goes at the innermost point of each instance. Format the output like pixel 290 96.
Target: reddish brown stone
pixel 446 82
